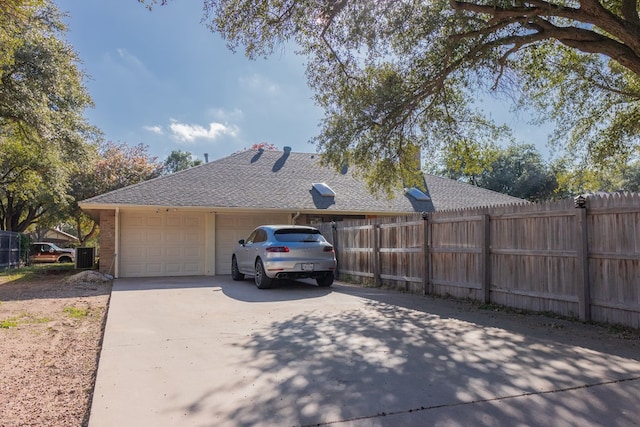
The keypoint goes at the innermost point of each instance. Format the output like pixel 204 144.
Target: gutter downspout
pixel 293 220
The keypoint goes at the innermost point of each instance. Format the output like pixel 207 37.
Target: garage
pixel 232 227
pixel 189 222
pixel 162 243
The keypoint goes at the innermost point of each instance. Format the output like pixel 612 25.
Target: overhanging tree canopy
pixel 43 134
pixel 396 75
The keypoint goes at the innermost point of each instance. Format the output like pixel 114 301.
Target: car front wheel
pixel 235 273
pixel 325 281
pixel 262 281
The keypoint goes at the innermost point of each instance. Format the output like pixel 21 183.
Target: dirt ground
pixel 51 326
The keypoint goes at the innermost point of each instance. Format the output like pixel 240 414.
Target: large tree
pixel 32 182
pixel 179 160
pixel 393 75
pixel 113 166
pixel 520 171
pixel 43 133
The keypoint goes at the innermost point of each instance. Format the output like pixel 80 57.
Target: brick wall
pixel 107 241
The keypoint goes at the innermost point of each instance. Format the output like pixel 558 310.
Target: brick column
pixel 107 241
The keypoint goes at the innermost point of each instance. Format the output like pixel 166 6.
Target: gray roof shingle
pixel 283 181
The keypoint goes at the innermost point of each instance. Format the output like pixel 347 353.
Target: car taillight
pixel 277 249
pixel 328 249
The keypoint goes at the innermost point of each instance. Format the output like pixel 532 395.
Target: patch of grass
pixel 76 313
pixel 623 331
pixel 12 322
pixel 26 318
pixel 36 270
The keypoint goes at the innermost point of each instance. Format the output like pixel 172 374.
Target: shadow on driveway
pixel 300 355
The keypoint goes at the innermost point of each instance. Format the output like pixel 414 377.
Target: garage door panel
pixel 157 244
pixel 152 236
pixel 192 269
pixel 152 221
pixel 152 269
pixel 174 237
pixel 154 251
pixel 174 252
pixel 174 221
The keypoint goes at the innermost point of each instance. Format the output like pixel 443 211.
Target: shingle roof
pixel 283 180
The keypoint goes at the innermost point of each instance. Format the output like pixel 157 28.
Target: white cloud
pixel 259 82
pixel 221 114
pixel 189 132
pixel 154 129
pixel 130 59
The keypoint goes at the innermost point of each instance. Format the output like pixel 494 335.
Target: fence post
pixel 485 258
pixel 426 235
pixel 582 262
pixel 375 256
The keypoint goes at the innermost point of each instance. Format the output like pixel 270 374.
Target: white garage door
pixel 162 244
pixel 232 227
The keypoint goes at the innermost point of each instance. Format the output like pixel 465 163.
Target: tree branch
pixel 625 31
pixel 630 12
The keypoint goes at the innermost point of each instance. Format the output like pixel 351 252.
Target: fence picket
pixel 545 257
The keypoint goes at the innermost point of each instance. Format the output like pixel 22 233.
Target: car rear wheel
pixel 235 273
pixel 325 281
pixel 262 281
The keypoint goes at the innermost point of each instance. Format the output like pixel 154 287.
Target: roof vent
pixel 323 189
pixel 417 194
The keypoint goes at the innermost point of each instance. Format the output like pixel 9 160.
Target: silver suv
pixel 284 252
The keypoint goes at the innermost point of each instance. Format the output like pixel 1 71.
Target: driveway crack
pixel 471 402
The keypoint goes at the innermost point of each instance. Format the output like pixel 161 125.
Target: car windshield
pixel 298 235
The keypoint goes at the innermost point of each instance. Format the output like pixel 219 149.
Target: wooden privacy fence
pixel 582 262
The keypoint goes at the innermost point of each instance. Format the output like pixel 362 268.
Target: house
pixel 56 236
pixel 188 223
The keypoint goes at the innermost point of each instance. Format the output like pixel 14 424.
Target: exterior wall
pixel 107 241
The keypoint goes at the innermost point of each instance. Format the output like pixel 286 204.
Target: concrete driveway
pixel 207 351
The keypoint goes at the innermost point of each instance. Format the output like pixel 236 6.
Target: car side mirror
pixel 241 241
pixel 51 250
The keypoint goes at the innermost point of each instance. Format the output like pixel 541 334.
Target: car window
pixel 298 235
pixel 251 237
pixel 261 236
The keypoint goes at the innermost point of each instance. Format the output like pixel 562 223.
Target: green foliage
pixel 14 14
pixel 28 318
pixel 631 177
pixel 517 170
pixel 112 166
pixel 9 323
pixel 392 76
pixel 179 160
pixel 467 160
pixel 595 103
pixel 76 313
pixel 43 132
pixel 34 271
pixel 520 171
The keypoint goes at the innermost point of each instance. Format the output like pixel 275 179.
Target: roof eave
pixel 93 209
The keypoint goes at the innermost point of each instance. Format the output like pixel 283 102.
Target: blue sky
pixel 162 79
